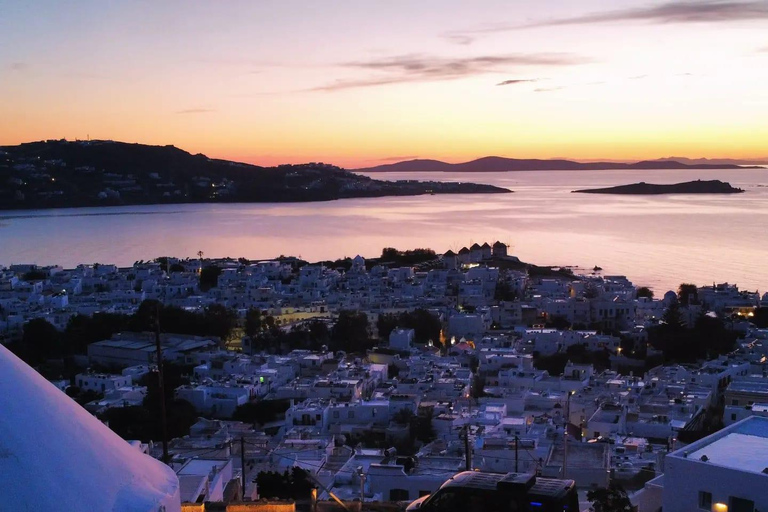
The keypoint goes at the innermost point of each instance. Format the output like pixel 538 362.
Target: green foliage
pixel 644 291
pixel 555 364
pixel 611 499
pixel 350 333
pixel 504 291
pixel 40 341
pixel 83 330
pixel 410 257
pixel 209 277
pixel 261 412
pixel 425 325
pixel 311 336
pixel 35 275
pixel 688 294
pixel 403 417
pixel 761 318
pixel 214 320
pixel 139 422
pixel 144 422
pixel 294 484
pixel 421 427
pixel 559 322
pixel 707 338
pixel 253 322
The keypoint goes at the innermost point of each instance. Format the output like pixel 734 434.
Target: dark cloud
pixel 700 11
pixel 518 81
pixel 420 68
pixel 195 111
pixel 18 66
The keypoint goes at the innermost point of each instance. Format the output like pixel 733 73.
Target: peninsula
pixel 688 187
pixel 62 174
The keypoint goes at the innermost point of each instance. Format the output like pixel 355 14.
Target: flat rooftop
pixel 742 446
pixel 737 451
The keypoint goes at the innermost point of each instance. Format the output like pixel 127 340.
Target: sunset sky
pixel 362 82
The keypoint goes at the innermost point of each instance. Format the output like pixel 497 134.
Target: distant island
pixel 62 174
pixel 689 187
pixel 499 164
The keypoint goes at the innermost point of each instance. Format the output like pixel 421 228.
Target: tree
pixel 253 322
pixel 688 294
pixel 611 499
pixel 219 320
pixel 350 333
pixel 261 412
pixel 644 291
pixel 385 324
pixel 761 318
pixel 209 277
pixel 40 341
pixel 294 484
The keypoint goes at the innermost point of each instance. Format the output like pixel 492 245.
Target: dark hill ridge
pixel 500 164
pixel 60 174
pixel 689 187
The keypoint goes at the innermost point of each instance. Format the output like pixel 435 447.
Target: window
pixel 734 402
pixel 740 505
pixel 351 414
pixel 733 417
pixel 705 500
pixel 335 414
pixel 398 495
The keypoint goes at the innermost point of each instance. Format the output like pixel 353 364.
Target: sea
pixel 656 241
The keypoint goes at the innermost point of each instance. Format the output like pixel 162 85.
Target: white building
pixel 56 456
pixel 101 382
pixel 724 472
pixel 401 339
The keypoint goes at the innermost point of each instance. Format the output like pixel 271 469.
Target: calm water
pixel 658 241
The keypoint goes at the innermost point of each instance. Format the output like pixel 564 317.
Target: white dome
pixel 55 456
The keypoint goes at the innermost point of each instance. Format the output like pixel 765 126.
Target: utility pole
pixel 565 436
pixel 517 442
pixel 242 465
pixel 467 453
pixel 161 384
pixel 362 487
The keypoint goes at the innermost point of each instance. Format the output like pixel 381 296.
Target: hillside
pixel 500 164
pixel 689 187
pixel 59 174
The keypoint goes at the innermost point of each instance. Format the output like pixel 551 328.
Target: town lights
pixel 719 507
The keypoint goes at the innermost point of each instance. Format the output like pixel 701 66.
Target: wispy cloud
pixel 699 11
pixel 458 38
pixel 18 66
pixel 549 89
pixel 421 68
pixel 393 158
pixel 195 111
pixel 763 49
pixel 519 81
